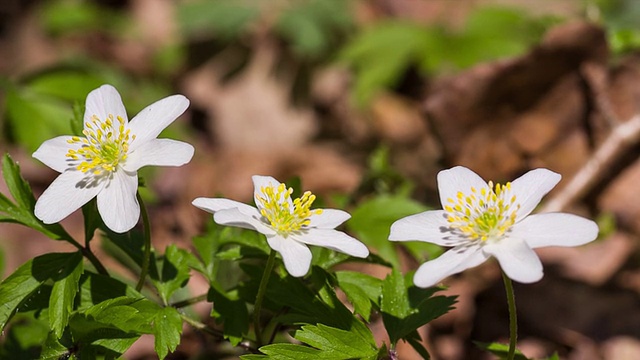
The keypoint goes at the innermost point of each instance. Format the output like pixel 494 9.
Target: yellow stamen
pixel 487 216
pixel 101 151
pixel 275 207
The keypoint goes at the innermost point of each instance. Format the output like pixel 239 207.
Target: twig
pixel 623 136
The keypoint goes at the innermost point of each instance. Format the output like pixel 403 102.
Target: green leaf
pixel 22 211
pixel 499 350
pixel 175 271
pixel 372 219
pixel 18 187
pixel 381 53
pixel 70 85
pixel 63 293
pixel 362 290
pixel 338 343
pixel 167 327
pixel 229 309
pixel 96 288
pixel 27 279
pixel 311 303
pixel 405 308
pixel 35 118
pixel 286 352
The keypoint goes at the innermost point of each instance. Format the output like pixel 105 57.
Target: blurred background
pixel 364 101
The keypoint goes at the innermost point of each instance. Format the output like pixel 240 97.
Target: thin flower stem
pixel 94 261
pixel 86 252
pixel 213 332
pixel 147 244
pixel 189 302
pixel 513 320
pixel 260 297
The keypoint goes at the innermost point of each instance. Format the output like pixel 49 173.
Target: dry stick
pixel 623 136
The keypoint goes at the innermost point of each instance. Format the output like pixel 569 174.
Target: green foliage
pixel 382 53
pixel 311 27
pixel 175 272
pixel 231 310
pixel 500 350
pixel 405 308
pixel 372 219
pixel 225 18
pixel 620 17
pixel 24 283
pixel 362 290
pixel 21 211
pixel 72 16
pixel 63 293
pixel 327 342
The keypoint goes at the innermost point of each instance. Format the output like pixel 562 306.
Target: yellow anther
pixel 275 208
pixel 101 150
pixel 489 215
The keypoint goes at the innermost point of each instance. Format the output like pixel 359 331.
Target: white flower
pixel 289 225
pixel 105 162
pixel 480 221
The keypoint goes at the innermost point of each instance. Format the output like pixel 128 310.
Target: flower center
pixel 485 214
pixel 277 210
pixel 103 148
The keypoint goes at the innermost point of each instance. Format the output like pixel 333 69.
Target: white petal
pixel 451 262
pixel 334 240
pixel 531 187
pixel 328 219
pixel 456 179
pixel 235 217
pixel 117 203
pixel 296 256
pixel 53 153
pixel 159 152
pixel 516 258
pixel 102 102
pixel 429 226
pixel 213 205
pixel 66 194
pixel 260 182
pixel 148 124
pixel 555 229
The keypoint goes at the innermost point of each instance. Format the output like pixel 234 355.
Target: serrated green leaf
pixel 63 293
pixel 405 308
pixel 22 211
pixel 26 280
pixel 167 328
pixel 175 271
pixel 338 343
pixel 362 290
pixel 96 288
pixel 311 304
pixel 18 187
pixel 372 219
pixel 229 309
pixel 288 352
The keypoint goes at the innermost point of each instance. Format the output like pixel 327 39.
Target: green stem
pixel 147 244
pixel 86 252
pixel 213 332
pixel 188 302
pixel 260 297
pixel 513 320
